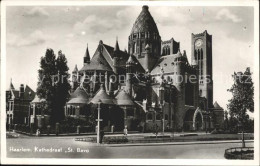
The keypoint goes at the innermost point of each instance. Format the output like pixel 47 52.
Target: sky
pixel 31 30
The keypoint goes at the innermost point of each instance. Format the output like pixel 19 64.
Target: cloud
pixel 103 23
pixel 225 14
pixel 35 38
pixel 37 12
pixel 169 15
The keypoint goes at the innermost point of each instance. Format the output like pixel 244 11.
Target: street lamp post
pixel 98 121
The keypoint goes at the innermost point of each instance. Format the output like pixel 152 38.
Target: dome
pixel 145 22
pixel 79 96
pixel 124 99
pixel 103 96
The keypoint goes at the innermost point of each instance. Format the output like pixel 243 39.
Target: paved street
pixel 66 147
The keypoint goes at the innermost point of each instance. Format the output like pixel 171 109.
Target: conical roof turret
pixel 102 96
pixel 124 99
pixel 87 56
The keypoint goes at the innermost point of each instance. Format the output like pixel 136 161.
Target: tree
pixel 45 89
pixel 243 97
pixel 53 85
pixel 62 86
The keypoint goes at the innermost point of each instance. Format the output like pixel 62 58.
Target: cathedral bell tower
pixel 201 56
pixel 145 32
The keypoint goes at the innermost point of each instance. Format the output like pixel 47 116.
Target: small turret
pixel 75 69
pixel 86 57
pixel 129 73
pixel 116 57
pixel 147 58
pixel 75 76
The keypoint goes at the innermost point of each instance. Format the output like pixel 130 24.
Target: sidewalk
pixel 130 134
pixel 175 143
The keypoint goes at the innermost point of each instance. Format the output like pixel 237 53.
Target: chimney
pixel 21 93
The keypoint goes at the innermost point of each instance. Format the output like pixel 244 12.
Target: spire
pixel 75 69
pixel 87 57
pixel 11 85
pixel 184 54
pixel 116 46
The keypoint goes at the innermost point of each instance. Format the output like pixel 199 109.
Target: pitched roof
pixel 124 99
pixel 98 62
pixel 216 105
pixel 79 96
pixel 138 67
pixel 130 60
pixel 103 96
pixel 29 94
pixel 144 22
pixel 37 100
pixel 107 55
pixel 166 62
pixel 122 54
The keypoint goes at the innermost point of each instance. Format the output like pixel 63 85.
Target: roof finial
pixel 145 7
pixel 116 46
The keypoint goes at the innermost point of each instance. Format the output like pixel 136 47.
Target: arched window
pixel 198 54
pixel 169 51
pixel 163 53
pixel 195 55
pixel 201 54
pixel 143 46
pixel 134 48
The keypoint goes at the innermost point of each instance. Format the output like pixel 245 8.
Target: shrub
pixel 115 140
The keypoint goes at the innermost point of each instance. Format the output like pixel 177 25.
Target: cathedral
pixel 150 85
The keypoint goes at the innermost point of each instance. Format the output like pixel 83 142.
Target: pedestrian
pixel 156 130
pixel 125 131
pixel 38 133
